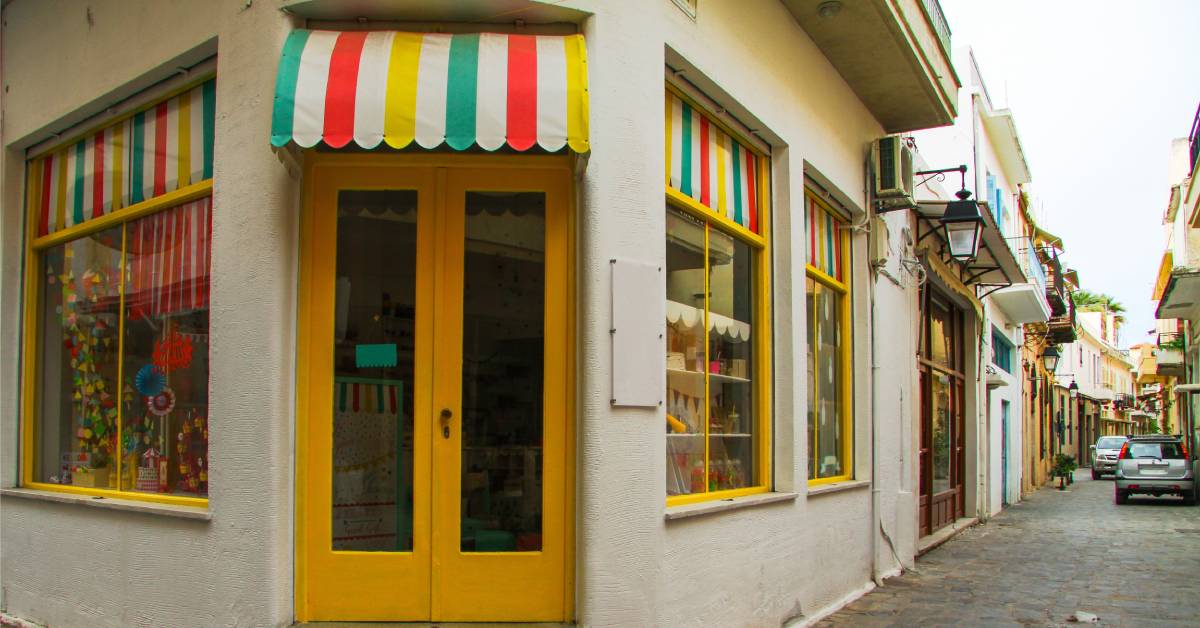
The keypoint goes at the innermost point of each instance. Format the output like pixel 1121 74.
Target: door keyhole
pixel 446 414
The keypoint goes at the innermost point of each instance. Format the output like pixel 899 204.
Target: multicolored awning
pixel 159 150
pixel 480 89
pixel 711 167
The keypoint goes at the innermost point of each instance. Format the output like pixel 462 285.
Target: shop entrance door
pixel 433 391
pixel 942 460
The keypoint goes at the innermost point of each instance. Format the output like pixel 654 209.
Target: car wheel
pixel 1095 474
pixel 1120 497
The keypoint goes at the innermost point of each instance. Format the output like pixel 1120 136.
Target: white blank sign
pixel 638 325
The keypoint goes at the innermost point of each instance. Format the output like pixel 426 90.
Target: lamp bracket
pixel 941 172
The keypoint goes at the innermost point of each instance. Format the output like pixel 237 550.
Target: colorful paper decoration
pixel 173 352
pixel 150 380
pixel 161 404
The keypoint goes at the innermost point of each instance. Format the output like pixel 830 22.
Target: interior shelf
pixel 712 376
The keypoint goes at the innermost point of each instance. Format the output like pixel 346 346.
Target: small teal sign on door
pixel 374 356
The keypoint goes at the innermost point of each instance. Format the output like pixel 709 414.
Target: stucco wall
pixel 67 565
pixel 757 566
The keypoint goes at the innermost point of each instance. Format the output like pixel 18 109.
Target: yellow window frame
pixel 760 244
pixel 842 287
pixel 34 248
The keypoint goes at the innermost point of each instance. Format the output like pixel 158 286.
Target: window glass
pixel 829 427
pixel 77 383
pixel 730 363
pixel 826 428
pixel 943 445
pixel 165 419
pixel 122 384
pixel 709 383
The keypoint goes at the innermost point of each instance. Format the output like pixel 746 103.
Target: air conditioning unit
pixel 893 159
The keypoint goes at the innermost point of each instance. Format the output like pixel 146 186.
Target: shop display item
pixel 173 353
pixel 161 404
pixel 150 380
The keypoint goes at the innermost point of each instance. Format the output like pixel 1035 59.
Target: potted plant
pixel 1064 470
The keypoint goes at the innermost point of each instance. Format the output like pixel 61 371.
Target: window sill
pixel 837 487
pixel 127 505
pixel 721 505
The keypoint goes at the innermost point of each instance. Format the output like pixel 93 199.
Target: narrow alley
pixel 1053 554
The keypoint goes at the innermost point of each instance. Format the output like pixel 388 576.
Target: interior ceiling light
pixel 829 8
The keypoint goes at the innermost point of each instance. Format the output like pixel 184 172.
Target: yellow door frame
pixel 327 171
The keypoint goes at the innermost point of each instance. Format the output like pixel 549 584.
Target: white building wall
pixel 762 565
pixel 72 565
pixel 1002 489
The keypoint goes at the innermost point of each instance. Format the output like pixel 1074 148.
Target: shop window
pixel 830 427
pixel 118 277
pixel 717 424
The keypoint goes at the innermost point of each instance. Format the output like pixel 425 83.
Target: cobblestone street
pixel 1040 561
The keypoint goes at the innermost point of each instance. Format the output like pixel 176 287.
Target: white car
pixel 1105 452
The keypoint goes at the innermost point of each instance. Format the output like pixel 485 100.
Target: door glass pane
pixel 731 417
pixel 943 417
pixel 374 316
pixel 685 355
pixel 502 371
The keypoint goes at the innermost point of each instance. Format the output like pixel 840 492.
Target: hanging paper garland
pixel 150 380
pixel 173 352
pixel 162 403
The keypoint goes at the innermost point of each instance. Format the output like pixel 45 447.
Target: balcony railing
pixel 1194 136
pixel 1031 265
pixel 933 9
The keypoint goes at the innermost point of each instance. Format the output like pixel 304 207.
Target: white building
pixel 984 138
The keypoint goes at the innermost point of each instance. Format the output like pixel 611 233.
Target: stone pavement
pixel 1040 561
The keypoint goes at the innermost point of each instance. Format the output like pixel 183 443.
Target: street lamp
pixel 1050 358
pixel 964 225
pixel 1074 389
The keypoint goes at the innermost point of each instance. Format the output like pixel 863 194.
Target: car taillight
pixel 1124 452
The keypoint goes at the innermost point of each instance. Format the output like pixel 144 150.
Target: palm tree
pixel 1086 301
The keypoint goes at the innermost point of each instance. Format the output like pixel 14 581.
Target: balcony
pixel 1194 140
pixel 1025 302
pixel 1056 288
pixel 894 54
pixel 1169 354
pixel 1123 400
pixel 1061 329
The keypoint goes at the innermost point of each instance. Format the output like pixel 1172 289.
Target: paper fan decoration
pixel 150 380
pixel 162 403
pixel 173 352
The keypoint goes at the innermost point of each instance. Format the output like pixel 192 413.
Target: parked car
pixel 1105 453
pixel 1154 465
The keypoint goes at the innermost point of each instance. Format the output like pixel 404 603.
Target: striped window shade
pixel 474 89
pixel 825 239
pixel 711 167
pixel 158 150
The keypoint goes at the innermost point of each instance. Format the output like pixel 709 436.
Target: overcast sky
pixel 1098 90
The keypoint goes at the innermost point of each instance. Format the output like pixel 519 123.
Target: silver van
pixel 1155 465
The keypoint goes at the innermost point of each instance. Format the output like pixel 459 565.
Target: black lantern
pixel 1074 389
pixel 963 225
pixel 1050 358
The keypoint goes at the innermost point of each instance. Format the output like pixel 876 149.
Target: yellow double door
pixel 433 402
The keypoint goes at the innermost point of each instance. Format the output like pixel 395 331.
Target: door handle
pixel 445 418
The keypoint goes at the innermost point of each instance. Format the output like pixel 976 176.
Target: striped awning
pixel 462 90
